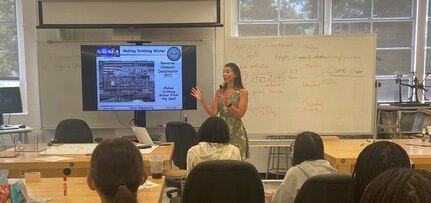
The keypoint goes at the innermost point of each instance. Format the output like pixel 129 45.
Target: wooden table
pixel 78 190
pixel 342 154
pixel 79 165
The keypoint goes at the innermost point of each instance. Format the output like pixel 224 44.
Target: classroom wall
pixel 60 63
pixel 59 50
pixel 32 36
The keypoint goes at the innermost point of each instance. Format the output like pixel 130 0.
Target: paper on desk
pixel 53 158
pixel 148 151
pixel 82 149
pixel 148 184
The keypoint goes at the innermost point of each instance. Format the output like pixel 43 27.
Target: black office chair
pixel 327 188
pixel 73 131
pixel 223 181
pixel 184 136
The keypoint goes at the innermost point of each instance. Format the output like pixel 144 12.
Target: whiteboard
pixel 323 84
pixel 60 87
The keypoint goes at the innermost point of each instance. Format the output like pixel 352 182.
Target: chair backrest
pixel 325 188
pixel 73 131
pixel 227 181
pixel 184 136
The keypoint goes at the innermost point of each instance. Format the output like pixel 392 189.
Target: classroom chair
pixel 184 136
pixel 227 181
pixel 327 188
pixel 73 131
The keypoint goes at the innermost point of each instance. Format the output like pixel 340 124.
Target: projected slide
pixel 139 77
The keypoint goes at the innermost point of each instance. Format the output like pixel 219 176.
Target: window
pixel 280 17
pixel 9 59
pixel 394 24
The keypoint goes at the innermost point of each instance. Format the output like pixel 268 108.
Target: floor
pixel 268 187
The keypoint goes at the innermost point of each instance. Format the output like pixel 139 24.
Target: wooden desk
pixel 79 165
pixel 270 143
pixel 342 154
pixel 78 190
pixel 282 142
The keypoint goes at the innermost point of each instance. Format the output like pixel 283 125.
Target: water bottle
pixel 185 118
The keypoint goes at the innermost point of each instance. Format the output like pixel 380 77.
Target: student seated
pixel 399 185
pixel 307 162
pixel 213 138
pixel 117 170
pixel 373 160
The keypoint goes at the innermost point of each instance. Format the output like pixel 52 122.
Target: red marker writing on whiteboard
pixel 65 186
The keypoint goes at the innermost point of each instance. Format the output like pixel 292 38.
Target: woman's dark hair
pixel 238 80
pixel 399 185
pixel 117 170
pixel 308 146
pixel 375 159
pixel 214 130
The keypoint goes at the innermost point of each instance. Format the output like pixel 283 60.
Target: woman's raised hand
pixel 223 98
pixel 197 93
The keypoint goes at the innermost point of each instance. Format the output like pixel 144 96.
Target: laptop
pixel 142 135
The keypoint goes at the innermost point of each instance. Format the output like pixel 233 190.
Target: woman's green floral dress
pixel 238 135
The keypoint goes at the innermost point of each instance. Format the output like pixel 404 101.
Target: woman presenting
pixel 231 101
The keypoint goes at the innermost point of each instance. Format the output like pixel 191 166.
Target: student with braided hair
pixel 399 185
pixel 373 160
pixel 117 170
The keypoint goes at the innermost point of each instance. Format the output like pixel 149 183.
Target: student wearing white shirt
pixel 213 137
pixel 307 162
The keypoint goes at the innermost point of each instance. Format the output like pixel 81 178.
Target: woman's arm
pixel 211 110
pixel 239 111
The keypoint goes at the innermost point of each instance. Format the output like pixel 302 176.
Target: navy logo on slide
pixel 107 51
pixel 174 53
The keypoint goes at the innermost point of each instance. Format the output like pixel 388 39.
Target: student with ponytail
pixel 117 170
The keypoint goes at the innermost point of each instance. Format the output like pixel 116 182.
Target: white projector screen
pixel 117 13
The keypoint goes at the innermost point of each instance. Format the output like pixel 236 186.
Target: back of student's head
pixel 375 159
pixel 117 170
pixel 214 130
pixel 399 185
pixel 308 146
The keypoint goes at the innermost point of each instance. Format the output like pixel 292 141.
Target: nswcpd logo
pixel 108 51
pixel 174 54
